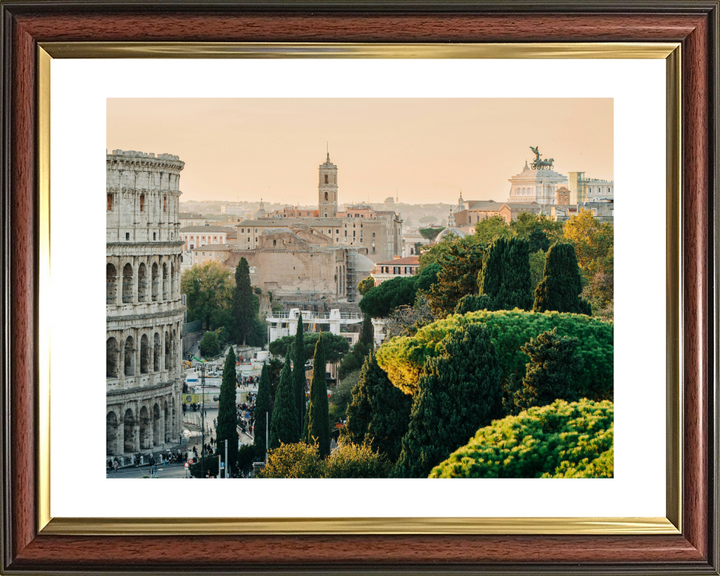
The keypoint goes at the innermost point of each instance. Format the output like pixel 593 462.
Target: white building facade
pixel 144 311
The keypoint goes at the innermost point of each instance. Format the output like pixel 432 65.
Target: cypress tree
pixel 367 333
pixel 318 427
pixel 561 285
pixel 459 393
pixel 379 412
pixel 243 308
pixel 552 371
pixel 227 412
pixel 284 421
pixel 505 275
pixel 262 411
pixel 299 371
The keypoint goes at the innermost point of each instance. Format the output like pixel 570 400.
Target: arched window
pixel 154 282
pixel 144 354
pixel 127 289
pixel 142 202
pixel 172 350
pixel 142 283
pixel 112 358
pixel 164 282
pixel 111 284
pixel 109 202
pixel 157 352
pixel 172 280
pixel 129 357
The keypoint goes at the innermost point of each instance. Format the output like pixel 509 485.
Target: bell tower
pixel 327 190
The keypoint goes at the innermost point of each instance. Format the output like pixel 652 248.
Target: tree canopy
pixel 335 346
pixel 490 229
pixel 318 429
pixel 208 290
pixel 458 393
pixel 561 285
pixel 404 358
pixel 243 302
pixel 561 440
pixel 379 302
pixel 505 275
pixel 284 422
pixel 227 415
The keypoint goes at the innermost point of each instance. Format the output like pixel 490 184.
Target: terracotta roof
pixel 407 261
pixel 205 229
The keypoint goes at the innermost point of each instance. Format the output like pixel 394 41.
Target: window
pixel 255 238
pixel 373 234
pixel 255 230
pixel 154 235
pixel 326 194
pixel 326 181
pixel 142 202
pixel 109 202
pixel 127 235
pixel 165 203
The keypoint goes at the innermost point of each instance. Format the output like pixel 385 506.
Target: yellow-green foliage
pixel 297 460
pixel 403 358
pixel 561 440
pixel 302 460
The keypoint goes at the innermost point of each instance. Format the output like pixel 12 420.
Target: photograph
pixel 359 288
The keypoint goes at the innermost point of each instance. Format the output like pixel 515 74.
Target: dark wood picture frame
pixel 692 23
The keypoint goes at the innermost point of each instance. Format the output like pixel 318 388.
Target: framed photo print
pixel 360 260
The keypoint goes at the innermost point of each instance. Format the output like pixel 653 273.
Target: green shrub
pixel 210 345
pixel 561 440
pixel 353 461
pixel 403 358
pixel 298 460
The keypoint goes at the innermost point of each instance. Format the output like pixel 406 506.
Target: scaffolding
pixel 351 275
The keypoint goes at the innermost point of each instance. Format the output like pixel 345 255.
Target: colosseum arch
pixel 112 352
pixel 111 434
pixel 145 438
pixel 154 282
pixel 129 433
pixel 142 282
pixel 165 282
pixel 129 356
pixel 157 352
pixel 157 430
pixel 173 344
pixel 144 354
pixel 111 284
pixel 127 286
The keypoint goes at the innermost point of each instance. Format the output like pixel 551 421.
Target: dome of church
pixel 261 211
pixel 450 229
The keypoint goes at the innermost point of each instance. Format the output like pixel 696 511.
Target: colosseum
pixel 144 310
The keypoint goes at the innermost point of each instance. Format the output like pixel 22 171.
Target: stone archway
pixel 168 422
pixel 129 432
pixel 111 434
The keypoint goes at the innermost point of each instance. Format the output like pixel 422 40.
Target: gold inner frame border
pixel 671 524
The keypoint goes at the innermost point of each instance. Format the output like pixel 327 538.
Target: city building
pixel 376 234
pixel 281 324
pixel 398 267
pixel 144 310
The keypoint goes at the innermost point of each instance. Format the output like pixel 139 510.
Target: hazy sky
pixel 429 149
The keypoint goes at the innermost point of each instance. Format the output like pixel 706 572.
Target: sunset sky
pixel 427 149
